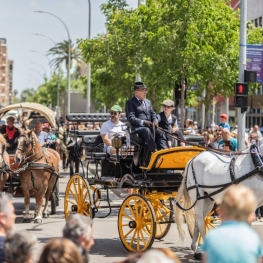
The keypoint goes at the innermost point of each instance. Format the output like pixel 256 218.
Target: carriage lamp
pixel 116 142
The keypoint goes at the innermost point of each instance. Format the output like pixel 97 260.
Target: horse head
pixel 25 146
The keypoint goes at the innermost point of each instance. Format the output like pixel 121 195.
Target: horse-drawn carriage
pixel 32 168
pixel 146 213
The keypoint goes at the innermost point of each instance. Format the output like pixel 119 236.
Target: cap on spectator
pixel 223 116
pixel 116 108
pixel 168 103
pixel 46 124
pixel 139 85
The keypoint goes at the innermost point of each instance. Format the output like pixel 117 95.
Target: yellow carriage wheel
pixel 162 214
pixel 136 223
pixel 77 197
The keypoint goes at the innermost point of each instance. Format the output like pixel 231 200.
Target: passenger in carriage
pixel 42 136
pixel 11 133
pixel 142 118
pixel 111 127
pixel 168 121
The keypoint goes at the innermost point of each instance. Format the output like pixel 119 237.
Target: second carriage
pixel 146 211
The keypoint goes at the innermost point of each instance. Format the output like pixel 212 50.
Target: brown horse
pixel 39 169
pixel 4 162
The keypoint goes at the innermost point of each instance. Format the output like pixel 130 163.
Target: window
pixel 260 21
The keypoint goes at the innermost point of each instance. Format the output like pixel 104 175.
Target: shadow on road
pixel 108 248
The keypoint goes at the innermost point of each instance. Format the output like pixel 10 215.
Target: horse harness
pixel 257 160
pixel 35 165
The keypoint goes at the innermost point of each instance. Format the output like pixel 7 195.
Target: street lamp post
pixel 41 67
pixel 58 84
pixel 68 69
pixel 35 51
pixel 88 65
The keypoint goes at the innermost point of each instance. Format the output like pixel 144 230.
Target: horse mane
pixel 3 140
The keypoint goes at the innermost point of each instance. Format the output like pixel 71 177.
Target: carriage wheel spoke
pixel 133 236
pixel 124 214
pixel 129 232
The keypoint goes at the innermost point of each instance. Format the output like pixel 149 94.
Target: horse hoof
pixel 38 221
pixel 26 220
pixel 198 256
pixel 45 215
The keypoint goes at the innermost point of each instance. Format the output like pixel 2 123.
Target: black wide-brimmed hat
pixel 139 85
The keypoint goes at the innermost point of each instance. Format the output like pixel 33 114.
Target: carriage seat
pixel 195 139
pixel 136 139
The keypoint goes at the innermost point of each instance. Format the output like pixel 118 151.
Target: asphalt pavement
pixel 108 246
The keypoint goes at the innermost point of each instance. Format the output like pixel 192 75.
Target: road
pixel 107 247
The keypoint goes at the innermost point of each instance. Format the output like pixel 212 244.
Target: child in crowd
pixel 234 241
pixel 223 122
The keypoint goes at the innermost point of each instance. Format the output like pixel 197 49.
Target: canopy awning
pixel 49 114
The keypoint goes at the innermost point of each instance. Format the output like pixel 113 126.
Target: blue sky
pixel 18 23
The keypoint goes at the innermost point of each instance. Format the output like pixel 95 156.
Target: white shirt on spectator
pixel 111 129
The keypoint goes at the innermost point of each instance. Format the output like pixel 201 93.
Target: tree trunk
pixel 182 104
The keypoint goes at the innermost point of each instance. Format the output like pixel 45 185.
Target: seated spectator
pixel 168 121
pixel 256 130
pixel 60 250
pixel 11 133
pixel 112 127
pixel 226 136
pixel 78 229
pixel 19 247
pixel 234 240
pixel 223 121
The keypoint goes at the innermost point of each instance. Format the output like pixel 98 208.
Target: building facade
pixel 6 75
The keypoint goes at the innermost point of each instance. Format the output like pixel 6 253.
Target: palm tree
pixel 60 51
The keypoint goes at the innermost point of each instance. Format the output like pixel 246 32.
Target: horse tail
pixel 188 215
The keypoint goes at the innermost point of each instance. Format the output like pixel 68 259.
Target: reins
pixel 219 151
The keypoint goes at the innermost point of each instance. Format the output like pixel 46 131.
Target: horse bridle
pixel 26 154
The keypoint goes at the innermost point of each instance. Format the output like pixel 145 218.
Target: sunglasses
pixel 165 106
pixel 219 134
pixel 114 113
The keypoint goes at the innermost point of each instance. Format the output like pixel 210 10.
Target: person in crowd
pixel 60 250
pixel 142 118
pixel 61 121
pixel 19 247
pixel 42 136
pixel 223 122
pixel 216 139
pixel 227 146
pixel 256 130
pixel 7 220
pixel 226 136
pixel 111 127
pixel 159 255
pixel 234 240
pixel 191 128
pixel 11 133
pixel 168 121
pixel 79 230
pixel 186 125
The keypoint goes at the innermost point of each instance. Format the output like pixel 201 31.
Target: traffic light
pixel 241 95
pixel 250 76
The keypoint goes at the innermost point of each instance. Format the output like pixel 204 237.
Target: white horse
pixel 211 169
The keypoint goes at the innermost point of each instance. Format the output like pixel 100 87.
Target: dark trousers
pixel 146 134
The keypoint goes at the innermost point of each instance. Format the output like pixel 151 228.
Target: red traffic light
pixel 241 89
